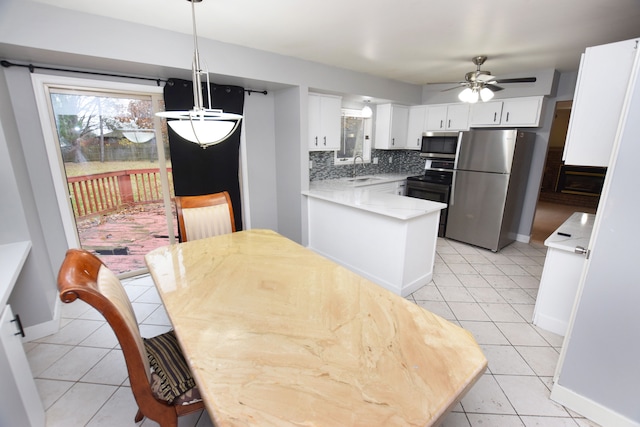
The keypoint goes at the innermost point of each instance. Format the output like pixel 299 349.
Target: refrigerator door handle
pixel 453 188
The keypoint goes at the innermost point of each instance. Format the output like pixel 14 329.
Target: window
pixel 355 138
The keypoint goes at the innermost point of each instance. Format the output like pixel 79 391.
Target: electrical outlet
pixel 375 160
pixel 310 164
pixel 390 160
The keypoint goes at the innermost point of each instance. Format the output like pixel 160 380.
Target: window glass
pixel 355 138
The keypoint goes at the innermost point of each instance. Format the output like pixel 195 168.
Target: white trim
pixel 244 180
pixel 590 409
pixel 41 83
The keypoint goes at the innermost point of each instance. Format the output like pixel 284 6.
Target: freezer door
pixel 488 150
pixel 476 209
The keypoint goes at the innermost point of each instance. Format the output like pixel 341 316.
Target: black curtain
pixel 213 169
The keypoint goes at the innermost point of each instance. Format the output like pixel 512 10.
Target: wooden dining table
pixel 277 335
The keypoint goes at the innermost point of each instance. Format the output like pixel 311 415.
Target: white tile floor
pixel 82 379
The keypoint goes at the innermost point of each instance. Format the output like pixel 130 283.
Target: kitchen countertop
pixel 355 194
pixel 579 226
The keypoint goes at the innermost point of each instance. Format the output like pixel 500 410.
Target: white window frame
pixel 41 84
pixel 366 144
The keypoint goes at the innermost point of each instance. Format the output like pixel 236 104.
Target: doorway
pixel 110 167
pixel 554 206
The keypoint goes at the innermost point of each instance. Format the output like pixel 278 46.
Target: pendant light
pixel 366 110
pixel 203 126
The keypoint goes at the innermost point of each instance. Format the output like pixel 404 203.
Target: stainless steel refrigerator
pixel 489 182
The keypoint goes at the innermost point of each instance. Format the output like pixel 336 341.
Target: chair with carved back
pixel 203 216
pixel 83 276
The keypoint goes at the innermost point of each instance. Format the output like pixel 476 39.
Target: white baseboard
pixel 524 238
pixel 590 409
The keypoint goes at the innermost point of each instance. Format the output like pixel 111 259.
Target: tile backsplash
pixel 402 161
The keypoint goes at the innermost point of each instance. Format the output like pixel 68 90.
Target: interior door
pixel 108 159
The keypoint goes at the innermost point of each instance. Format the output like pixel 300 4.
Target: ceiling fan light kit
pixel 481 85
pixel 203 126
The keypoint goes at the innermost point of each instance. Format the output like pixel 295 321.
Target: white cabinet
pixel 20 404
pixel 391 126
pixel 602 83
pixel 324 122
pixel 417 125
pixel 447 117
pixel 515 112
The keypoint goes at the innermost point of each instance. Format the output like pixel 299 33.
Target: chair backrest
pixel 83 276
pixel 203 216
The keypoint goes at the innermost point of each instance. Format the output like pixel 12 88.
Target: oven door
pixel 433 192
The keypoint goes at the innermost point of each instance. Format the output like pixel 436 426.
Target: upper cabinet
pixel 391 126
pixel 520 112
pixel 447 117
pixel 324 122
pixel 602 83
pixel 417 125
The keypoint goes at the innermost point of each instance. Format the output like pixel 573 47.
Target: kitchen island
pixel 561 273
pixel 387 238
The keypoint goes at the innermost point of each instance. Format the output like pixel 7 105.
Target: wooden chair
pixel 82 275
pixel 205 216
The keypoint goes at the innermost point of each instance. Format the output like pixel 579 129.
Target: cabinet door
pixel 603 79
pixel 436 117
pixel 314 122
pixel 399 123
pixel 417 122
pixel 391 126
pixel 486 114
pixel 521 112
pixel 330 122
pixel 324 122
pixel 457 117
pixel 20 404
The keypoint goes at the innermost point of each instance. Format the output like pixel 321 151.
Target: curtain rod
pixel 32 68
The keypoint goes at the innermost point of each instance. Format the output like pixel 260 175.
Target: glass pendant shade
pixel 468 95
pixel 205 127
pixel 486 94
pixel 367 112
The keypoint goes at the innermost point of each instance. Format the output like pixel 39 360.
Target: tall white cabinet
pixel 600 92
pixel 598 374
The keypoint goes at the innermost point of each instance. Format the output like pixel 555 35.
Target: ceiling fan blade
pixel 484 78
pixel 461 85
pixel 494 87
pixel 517 80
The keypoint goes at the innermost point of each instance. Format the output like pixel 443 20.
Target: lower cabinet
pixel 20 404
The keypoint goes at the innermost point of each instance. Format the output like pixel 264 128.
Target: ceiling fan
pixel 481 84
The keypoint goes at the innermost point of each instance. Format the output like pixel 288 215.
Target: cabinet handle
pixel 507 116
pixel 418 142
pixel 449 124
pixel 19 325
pixel 495 116
pixel 441 123
pixel 393 141
pixel 325 141
pixel 316 141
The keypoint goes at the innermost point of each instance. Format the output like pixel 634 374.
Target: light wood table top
pixel 277 335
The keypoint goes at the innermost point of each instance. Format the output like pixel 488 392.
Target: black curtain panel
pixel 198 170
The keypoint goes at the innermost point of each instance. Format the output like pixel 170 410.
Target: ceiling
pixel 414 41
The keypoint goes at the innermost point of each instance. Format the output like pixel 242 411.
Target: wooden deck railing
pixel 108 192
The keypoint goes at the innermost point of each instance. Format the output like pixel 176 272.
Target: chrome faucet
pixel 354 165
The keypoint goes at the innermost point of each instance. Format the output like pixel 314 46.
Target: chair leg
pixel 139 416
